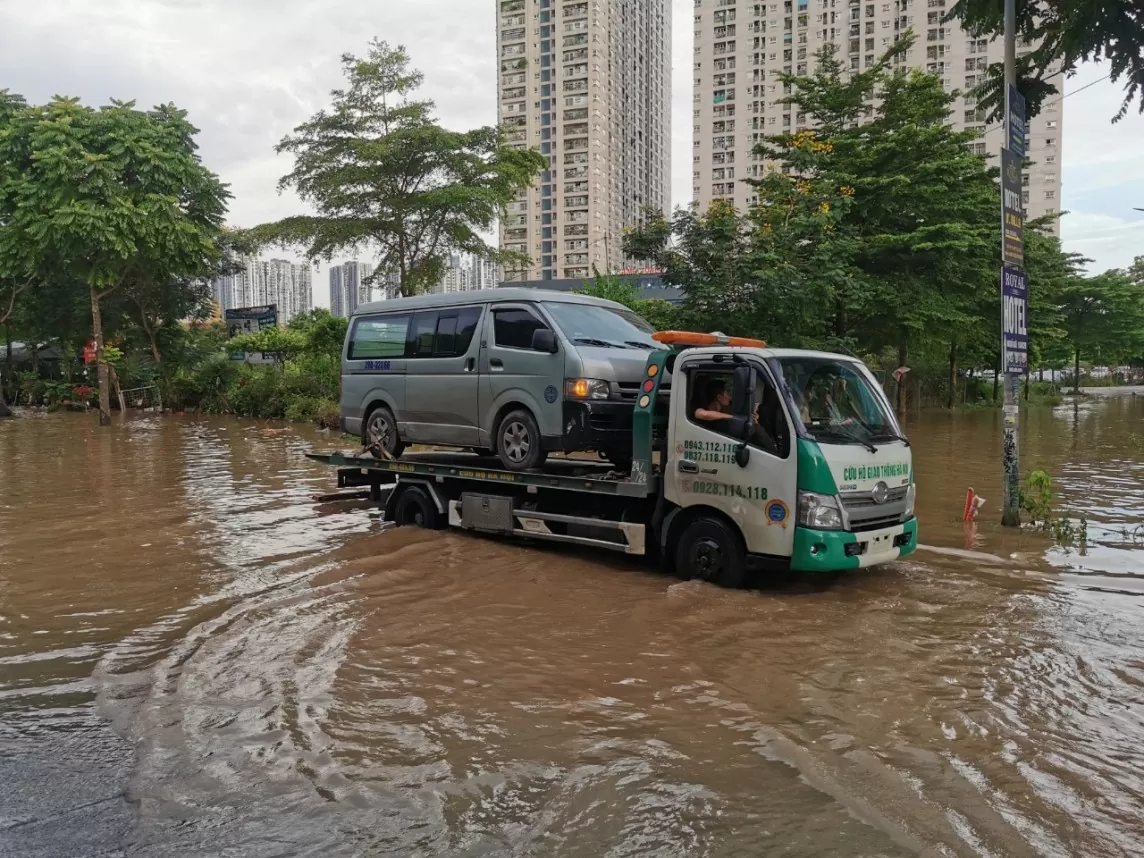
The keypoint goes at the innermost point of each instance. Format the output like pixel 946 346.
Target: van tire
pixel 415 508
pixel 709 550
pixel 518 442
pixel 379 434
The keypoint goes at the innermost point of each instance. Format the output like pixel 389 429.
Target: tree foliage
pixel 662 315
pixel 104 198
pixel 381 173
pixel 1063 33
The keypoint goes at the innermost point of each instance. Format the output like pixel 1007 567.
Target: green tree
pixel 660 314
pixel 382 173
pixel 1063 33
pixel 1104 317
pixel 101 196
pixel 920 229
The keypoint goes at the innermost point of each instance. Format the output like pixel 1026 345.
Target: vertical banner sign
pixel 1015 320
pixel 1012 210
pixel 1017 130
pixel 249 320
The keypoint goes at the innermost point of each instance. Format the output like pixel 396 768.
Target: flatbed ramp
pixel 573 501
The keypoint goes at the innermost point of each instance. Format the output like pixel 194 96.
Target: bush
pixel 314 409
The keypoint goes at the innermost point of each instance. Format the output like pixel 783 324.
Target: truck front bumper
pixel 836 550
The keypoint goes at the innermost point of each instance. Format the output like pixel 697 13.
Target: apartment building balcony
pixel 576 229
pixel 576 173
pixel 575 86
pixel 575 273
pixel 509 51
pixel 577 202
pixel 576 113
pixel 576 158
pixel 576 144
pixel 514 93
pixel 576 187
pixel 576 259
pixel 511 6
pixel 516 34
pixel 577 130
pixel 576 217
pixel 516 234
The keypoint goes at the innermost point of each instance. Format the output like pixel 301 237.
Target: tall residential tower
pixel 741 48
pixel 588 83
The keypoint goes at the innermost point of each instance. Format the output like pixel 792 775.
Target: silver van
pixel 516 372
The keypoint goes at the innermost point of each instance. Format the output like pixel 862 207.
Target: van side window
pixel 421 334
pixel 378 337
pixel 514 328
pixel 446 343
pixel 467 321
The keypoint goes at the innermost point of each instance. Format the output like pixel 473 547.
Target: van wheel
pixel 416 509
pixel 518 441
pixel 711 551
pixel 381 434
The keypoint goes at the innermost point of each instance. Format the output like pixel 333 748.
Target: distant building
pixel 257 282
pixel 337 293
pixel 464 273
pixel 483 273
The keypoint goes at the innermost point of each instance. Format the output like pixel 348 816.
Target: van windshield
pixel 606 327
pixel 836 401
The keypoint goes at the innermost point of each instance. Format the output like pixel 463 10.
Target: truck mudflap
pixel 496 514
pixel 836 550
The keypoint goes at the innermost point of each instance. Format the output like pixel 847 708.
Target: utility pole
pixel 1014 280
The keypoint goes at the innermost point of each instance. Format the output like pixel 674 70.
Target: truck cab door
pixel 703 464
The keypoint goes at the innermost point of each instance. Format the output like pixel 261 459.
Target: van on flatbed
pixel 759 457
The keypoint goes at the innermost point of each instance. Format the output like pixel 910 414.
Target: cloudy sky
pixel 250 70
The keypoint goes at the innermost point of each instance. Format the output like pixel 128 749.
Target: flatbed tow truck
pixel 711 499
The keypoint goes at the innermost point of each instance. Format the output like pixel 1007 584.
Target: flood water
pixel 198 659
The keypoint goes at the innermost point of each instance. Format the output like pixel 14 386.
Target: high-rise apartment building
pixel 288 285
pixel 483 273
pixel 588 83
pixel 742 47
pixel 337 293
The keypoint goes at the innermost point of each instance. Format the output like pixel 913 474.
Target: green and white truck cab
pixel 812 465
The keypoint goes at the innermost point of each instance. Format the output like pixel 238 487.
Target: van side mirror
pixel 743 391
pixel 544 340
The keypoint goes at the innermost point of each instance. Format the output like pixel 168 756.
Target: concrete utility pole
pixel 1014 281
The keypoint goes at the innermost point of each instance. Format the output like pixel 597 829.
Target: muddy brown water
pixel 197 659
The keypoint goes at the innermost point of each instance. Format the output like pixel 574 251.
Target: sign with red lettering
pixel 88 352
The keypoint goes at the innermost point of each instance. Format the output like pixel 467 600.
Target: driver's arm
pixel 710 416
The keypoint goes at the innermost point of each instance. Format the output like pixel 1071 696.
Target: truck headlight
pixel 587 388
pixel 911 496
pixel 819 512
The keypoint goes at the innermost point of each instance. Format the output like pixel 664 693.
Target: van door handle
pixel 496 364
pixel 470 364
pixel 686 466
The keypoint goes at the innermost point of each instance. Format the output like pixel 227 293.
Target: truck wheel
pixel 416 509
pixel 380 435
pixel 711 551
pixel 518 441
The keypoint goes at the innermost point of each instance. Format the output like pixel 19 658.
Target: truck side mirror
pixel 743 391
pixel 544 340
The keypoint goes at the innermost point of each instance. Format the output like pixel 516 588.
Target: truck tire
pixel 379 434
pixel 518 442
pixel 710 550
pixel 415 508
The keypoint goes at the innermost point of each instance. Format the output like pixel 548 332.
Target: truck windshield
pixel 836 401
pixel 606 327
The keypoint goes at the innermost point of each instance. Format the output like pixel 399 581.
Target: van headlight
pixel 819 512
pixel 587 388
pixel 911 496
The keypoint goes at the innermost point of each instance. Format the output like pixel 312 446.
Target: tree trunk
pixel 903 356
pixel 996 379
pixel 1028 384
pixel 4 410
pixel 952 399
pixel 97 332
pixel 118 390
pixel 1076 370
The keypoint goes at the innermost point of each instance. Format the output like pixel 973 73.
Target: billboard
pixel 1015 320
pixel 250 320
pixel 1012 210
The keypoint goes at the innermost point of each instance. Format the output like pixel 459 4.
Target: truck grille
pixel 864 514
